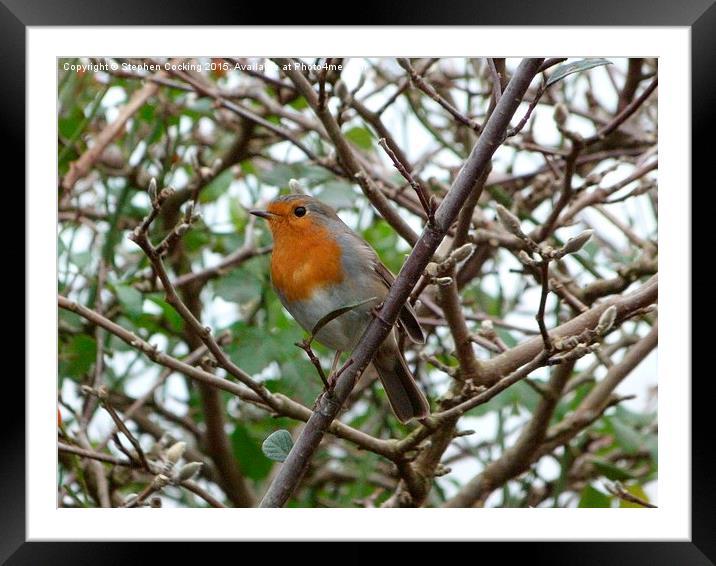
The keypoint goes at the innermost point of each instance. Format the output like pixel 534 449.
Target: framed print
pixel 304 274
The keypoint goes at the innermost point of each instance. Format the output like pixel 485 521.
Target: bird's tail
pixel 406 399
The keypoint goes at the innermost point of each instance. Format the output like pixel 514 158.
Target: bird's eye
pixel 300 211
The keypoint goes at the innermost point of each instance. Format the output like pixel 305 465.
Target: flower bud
pixel 431 269
pixel 560 114
pixel 463 252
pixel 509 221
pixel 606 321
pixel 152 190
pixel 295 187
pixel 188 471
pixel 160 481
pixel 175 452
pixel 525 257
pixel 575 244
pixel 404 63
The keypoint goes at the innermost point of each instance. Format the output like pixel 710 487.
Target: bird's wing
pixel 407 317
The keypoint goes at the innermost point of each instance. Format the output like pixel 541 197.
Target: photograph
pixel 357 282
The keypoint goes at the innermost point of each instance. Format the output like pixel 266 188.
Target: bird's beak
pixel 261 213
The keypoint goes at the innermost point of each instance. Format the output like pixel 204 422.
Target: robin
pixel 320 265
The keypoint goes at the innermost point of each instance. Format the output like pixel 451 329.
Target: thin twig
pixel 119 423
pixel 544 271
pixel 496 80
pixel 624 115
pixel 422 84
pixel 617 489
pixel 141 238
pixel 349 161
pixel 535 99
pixel 299 457
pixel 82 166
pixel 280 404
pixel 426 201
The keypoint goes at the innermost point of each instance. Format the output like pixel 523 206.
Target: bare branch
pixel 329 404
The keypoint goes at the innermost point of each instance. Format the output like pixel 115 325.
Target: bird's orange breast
pixel 304 260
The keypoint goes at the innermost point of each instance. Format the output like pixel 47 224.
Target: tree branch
pixel 349 161
pixel 328 405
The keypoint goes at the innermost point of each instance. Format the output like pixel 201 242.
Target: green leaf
pixel 247 452
pixel 217 186
pixel 238 286
pixel 567 69
pixel 130 299
pixel 71 320
pixel 173 318
pixel 360 137
pixel 591 249
pixel 385 241
pixel 77 356
pixel 518 395
pixel 632 418
pixel 68 125
pixel 337 194
pixel 489 303
pixel 247 167
pixel 278 445
pixel 197 238
pixel 147 113
pixel 238 215
pixel 626 436
pixel 299 103
pixel 81 259
pixel 652 445
pixel 255 348
pixel 280 174
pixel 298 378
pixel 336 313
pixel 199 108
pixel 610 471
pixel 591 497
pixel 506 337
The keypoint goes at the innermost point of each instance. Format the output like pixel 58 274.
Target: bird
pixel 320 265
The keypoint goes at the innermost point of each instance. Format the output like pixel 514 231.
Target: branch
pixel 617 489
pixel 141 238
pixel 279 404
pixel 129 463
pixel 420 82
pixel 544 275
pixel 470 366
pixel 518 457
pixel 329 404
pixel 100 456
pixel 633 78
pixel 283 133
pixel 624 115
pixel 626 306
pixel 347 157
pixel 82 166
pixel 529 448
pixel 426 201
pixel 598 399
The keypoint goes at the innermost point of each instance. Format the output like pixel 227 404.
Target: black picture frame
pixel 699 15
